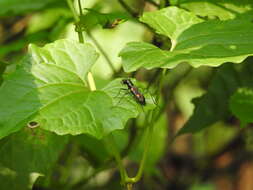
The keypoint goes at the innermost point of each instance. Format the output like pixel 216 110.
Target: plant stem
pixel 152 117
pixel 129 186
pixel 148 140
pixel 102 51
pixel 90 79
pixel 80 37
pixel 79 31
pixel 76 17
pixel 72 8
pixel 127 8
pixel 80 7
pixel 113 149
pixel 162 3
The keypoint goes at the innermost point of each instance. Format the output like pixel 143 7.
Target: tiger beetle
pixel 139 97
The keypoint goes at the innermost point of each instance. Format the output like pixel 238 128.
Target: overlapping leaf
pixel 31 150
pixel 214 105
pixel 14 7
pixel 241 105
pixel 223 9
pixel 25 152
pixel 47 80
pixel 49 88
pixel 170 21
pixel 198 43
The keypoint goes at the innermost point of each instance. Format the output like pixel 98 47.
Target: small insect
pixel 139 97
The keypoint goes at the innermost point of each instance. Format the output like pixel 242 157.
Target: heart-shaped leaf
pixel 49 88
pixel 170 21
pixel 44 85
pixel 194 41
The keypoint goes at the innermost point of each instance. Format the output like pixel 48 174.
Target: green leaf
pixel 214 105
pixel 170 21
pixel 52 91
pixel 15 7
pixel 225 9
pixel 46 82
pixel 213 139
pixel 27 152
pixel 10 179
pixel 31 150
pixel 241 105
pixel 94 149
pixel 209 43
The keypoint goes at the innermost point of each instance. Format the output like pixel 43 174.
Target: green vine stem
pixel 79 31
pixel 129 186
pixel 102 51
pixel 109 139
pixel 90 79
pixel 152 116
pixel 148 141
pixel 127 8
pixel 110 142
pixel 72 8
pixel 162 3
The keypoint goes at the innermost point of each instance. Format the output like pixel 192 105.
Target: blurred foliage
pixel 214 105
pixel 16 7
pixel 210 102
pixel 241 105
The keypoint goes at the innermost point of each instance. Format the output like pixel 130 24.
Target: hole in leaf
pixel 33 124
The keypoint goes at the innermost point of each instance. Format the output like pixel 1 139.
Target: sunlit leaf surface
pixel 49 87
pixel 193 41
